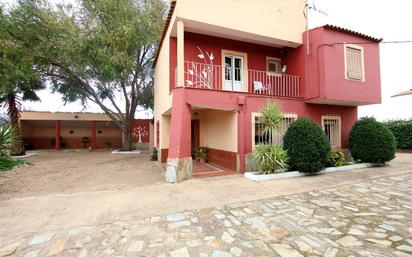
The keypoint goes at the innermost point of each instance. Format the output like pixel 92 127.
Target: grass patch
pixel 345 163
pixel 6 163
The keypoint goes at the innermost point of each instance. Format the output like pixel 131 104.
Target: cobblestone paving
pixel 364 219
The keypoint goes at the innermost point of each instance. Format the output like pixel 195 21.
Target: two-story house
pixel 219 62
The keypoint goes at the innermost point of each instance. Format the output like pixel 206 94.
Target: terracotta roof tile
pixel 337 28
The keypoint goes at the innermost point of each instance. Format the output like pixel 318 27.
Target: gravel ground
pixel 52 172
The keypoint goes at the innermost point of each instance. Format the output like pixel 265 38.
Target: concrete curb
pixel 255 176
pixel 126 152
pixel 24 156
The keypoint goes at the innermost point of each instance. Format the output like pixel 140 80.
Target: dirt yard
pixel 52 172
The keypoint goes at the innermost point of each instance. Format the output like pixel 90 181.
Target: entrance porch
pixel 215 131
pixel 61 134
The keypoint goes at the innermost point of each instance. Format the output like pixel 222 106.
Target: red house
pixel 216 67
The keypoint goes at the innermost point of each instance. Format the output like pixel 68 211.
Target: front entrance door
pixel 195 136
pixel 233 73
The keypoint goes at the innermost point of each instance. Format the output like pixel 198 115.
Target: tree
pixel 19 80
pixel 100 51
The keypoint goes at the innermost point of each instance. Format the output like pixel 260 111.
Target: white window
pixel 273 65
pixel 331 124
pixel 276 137
pixel 233 73
pixel 354 62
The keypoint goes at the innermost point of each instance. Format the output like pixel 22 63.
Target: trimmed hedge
pixel 402 130
pixel 371 141
pixel 307 146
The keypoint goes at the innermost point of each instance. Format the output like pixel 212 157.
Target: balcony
pixel 214 77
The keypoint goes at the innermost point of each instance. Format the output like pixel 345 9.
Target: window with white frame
pixel 354 62
pixel 331 124
pixel 275 137
pixel 273 65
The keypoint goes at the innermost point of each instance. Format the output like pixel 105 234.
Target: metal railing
pixel 203 76
pixel 209 76
pixel 264 83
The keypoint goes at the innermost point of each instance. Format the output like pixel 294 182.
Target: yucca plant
pixel 271 119
pixel 201 154
pixel 7 139
pixel 269 158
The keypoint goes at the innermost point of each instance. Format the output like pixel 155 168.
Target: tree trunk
pixel 18 146
pixel 127 136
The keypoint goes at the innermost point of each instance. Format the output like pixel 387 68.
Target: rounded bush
pixel 371 141
pixel 307 146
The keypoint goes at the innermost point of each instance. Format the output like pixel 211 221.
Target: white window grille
pixel 331 124
pixel 274 137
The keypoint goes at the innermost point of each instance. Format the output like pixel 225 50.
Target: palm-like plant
pixel 270 158
pixel 7 139
pixel 271 119
pixel 19 79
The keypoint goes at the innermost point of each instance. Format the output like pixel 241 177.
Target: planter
pixel 255 176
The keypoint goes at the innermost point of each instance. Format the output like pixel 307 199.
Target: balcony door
pixel 233 73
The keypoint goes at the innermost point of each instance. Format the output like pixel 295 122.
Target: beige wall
pixel 43 131
pixel 218 129
pixel 64 116
pixel 50 131
pixel 164 131
pixel 108 132
pixel 151 137
pixel 279 20
pixel 162 98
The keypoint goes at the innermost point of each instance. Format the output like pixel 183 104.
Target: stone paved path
pixel 364 219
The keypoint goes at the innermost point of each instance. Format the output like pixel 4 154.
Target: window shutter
pixel 354 63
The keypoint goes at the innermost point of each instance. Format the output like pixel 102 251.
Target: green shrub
pixel 402 130
pixel 153 156
pixel 371 141
pixel 269 158
pixel 307 146
pixel 201 154
pixel 8 163
pixel 7 139
pixel 337 158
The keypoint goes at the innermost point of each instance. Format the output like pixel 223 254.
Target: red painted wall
pixel 230 101
pixel 324 77
pixel 256 54
pixel 325 73
pixel 145 125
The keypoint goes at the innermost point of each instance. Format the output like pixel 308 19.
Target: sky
pixel 390 20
